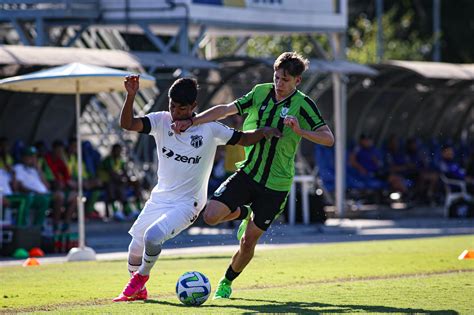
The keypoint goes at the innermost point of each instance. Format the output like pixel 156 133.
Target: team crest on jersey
pixel 196 141
pixel 284 112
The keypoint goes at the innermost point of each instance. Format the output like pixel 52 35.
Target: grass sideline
pixel 403 276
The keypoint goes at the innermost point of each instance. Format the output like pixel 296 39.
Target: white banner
pixel 256 15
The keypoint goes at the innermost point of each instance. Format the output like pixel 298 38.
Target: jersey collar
pixel 283 100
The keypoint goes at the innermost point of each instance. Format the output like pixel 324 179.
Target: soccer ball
pixel 193 288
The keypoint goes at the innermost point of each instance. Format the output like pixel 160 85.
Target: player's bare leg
pixel 247 247
pixel 240 260
pixel 217 212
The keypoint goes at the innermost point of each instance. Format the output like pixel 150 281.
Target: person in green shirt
pixel 256 193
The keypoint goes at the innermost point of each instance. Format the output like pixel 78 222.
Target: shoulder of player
pixel 304 100
pixel 303 97
pixel 163 113
pixel 263 86
pixel 158 115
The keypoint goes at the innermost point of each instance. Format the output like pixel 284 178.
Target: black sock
pixel 244 211
pixel 230 274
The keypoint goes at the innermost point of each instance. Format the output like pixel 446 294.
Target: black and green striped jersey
pixel 272 162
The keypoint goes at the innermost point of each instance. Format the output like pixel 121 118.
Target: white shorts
pixel 170 218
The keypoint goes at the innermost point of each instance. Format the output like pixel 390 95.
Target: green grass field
pixel 403 276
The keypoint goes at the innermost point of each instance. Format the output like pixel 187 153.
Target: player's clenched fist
pixel 132 83
pixel 292 122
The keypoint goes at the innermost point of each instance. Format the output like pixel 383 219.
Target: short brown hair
pixel 292 63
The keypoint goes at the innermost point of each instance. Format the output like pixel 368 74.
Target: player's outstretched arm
pixel 127 119
pixel 253 136
pixel 214 113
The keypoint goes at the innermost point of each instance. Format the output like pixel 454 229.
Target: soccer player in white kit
pixel 185 164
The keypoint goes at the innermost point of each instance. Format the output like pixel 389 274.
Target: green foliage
pixel 226 45
pixel 399 41
pixel 403 276
pixel 407 35
pixel 273 45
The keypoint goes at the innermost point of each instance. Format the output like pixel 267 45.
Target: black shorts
pixel 239 189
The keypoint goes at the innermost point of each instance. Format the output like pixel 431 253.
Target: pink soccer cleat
pixel 142 295
pixel 134 290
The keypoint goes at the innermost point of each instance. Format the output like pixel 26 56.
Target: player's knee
pixel 210 217
pixel 154 237
pixel 248 243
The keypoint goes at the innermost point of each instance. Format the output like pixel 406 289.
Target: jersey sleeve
pixel 245 102
pixel 224 134
pixel 155 121
pixel 311 118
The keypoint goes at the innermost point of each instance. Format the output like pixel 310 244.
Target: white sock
pixel 134 263
pixel 148 261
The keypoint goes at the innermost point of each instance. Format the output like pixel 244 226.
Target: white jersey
pixel 30 178
pixel 185 160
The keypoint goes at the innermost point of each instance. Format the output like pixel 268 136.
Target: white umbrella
pixel 75 78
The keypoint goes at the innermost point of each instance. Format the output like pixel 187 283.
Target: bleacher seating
pixel 325 158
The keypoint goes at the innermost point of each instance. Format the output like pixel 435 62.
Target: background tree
pixel 407 31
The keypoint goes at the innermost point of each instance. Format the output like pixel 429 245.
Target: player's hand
pixel 270 132
pixel 179 126
pixel 292 122
pixel 132 83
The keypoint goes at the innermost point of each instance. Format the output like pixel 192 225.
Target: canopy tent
pixel 56 56
pixel 74 78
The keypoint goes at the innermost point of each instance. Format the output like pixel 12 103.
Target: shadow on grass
pixel 269 306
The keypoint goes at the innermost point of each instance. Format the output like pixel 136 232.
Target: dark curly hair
pixel 183 91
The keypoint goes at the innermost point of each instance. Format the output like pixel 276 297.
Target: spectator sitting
pixel 448 166
pixel 397 163
pixel 31 182
pixel 426 179
pixel 364 159
pixel 5 189
pixel 90 184
pixel 116 181
pixel 12 199
pixel 91 158
pixel 63 186
pixel 9 184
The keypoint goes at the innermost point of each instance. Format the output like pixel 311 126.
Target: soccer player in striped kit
pixel 256 193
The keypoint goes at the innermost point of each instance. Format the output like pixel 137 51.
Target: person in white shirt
pixel 31 183
pixel 184 165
